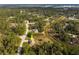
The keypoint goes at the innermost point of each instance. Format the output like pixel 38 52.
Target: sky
pixel 39 5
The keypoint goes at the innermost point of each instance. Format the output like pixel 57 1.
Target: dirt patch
pixel 41 38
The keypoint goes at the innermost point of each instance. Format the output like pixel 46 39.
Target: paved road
pixel 23 37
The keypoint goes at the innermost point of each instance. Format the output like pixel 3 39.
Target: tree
pixel 29 34
pixel 20 29
pixel 10 43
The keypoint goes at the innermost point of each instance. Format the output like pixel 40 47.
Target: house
pixel 32 27
pixel 22 11
pixel 34 30
pixel 73 18
pixel 11 17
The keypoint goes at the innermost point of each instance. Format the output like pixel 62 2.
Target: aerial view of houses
pixel 42 29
